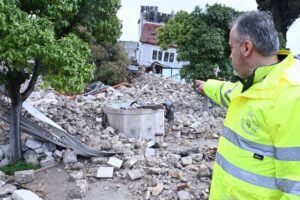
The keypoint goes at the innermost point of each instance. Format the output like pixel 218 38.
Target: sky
pixel 130 12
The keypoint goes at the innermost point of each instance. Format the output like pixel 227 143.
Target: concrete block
pixel 33 144
pixel 135 174
pixel 47 162
pixel 105 172
pixel 25 195
pixel 149 152
pixel 115 162
pixel 25 176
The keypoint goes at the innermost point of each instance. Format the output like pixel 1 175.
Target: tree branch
pixel 33 80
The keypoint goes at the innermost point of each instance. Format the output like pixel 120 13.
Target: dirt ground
pixel 54 184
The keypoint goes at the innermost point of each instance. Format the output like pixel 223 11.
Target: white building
pixel 130 48
pixel 150 54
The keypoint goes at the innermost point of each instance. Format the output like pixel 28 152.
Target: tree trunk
pixel 16 79
pixel 15 136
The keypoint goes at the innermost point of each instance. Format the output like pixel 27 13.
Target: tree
pixel 94 21
pixel 284 12
pixel 99 17
pixel 202 39
pixel 29 47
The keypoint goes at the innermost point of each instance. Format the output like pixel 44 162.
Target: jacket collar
pixel 266 77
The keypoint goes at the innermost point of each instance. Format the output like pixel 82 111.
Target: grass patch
pixel 18 166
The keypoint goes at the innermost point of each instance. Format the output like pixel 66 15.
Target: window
pixel 166 57
pixel 154 55
pixel 171 57
pixel 159 55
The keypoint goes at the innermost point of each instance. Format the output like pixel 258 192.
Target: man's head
pixel 253 37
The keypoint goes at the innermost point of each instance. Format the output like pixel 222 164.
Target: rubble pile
pixel 177 165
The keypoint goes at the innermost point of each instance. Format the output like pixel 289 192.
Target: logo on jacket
pixel 249 123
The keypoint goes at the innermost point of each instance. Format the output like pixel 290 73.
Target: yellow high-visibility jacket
pixel 258 155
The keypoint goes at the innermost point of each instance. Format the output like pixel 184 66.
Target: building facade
pixel 149 53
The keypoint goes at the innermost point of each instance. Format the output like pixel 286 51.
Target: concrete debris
pixel 69 156
pixel 7 189
pixel 179 160
pixel 105 172
pixel 25 176
pixel 135 174
pixel 149 152
pixel 115 162
pixel 47 162
pixel 157 189
pixel 183 195
pixel 24 195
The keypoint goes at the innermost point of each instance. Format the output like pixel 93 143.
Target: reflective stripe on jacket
pixel 259 150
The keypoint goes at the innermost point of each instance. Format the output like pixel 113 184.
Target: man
pixel 258 154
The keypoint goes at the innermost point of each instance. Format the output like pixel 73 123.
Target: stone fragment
pixel 78 165
pixel 130 163
pixel 69 157
pixel 108 130
pixel 157 189
pixel 154 170
pixel 57 154
pixel 135 174
pixel 47 162
pixel 98 160
pixel 33 144
pixel 31 156
pixel 149 152
pixel 76 175
pixel 115 162
pixel 25 176
pixel 24 195
pixel 4 162
pixel 184 195
pixel 105 172
pixel 203 171
pixel 186 160
pixel 2 176
pixel 7 189
pixel 48 147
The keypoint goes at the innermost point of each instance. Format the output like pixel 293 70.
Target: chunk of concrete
pixel 47 162
pixel 7 189
pixel 115 162
pixel 135 174
pixel 2 176
pixel 184 195
pixel 69 157
pixel 186 160
pixel 157 189
pixel 130 163
pixel 105 172
pixel 25 176
pixel 33 144
pixel 24 195
pixel 149 152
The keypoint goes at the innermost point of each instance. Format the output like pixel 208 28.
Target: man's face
pixel 236 56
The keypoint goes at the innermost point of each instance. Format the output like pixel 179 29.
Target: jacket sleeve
pixel 285 119
pixel 222 92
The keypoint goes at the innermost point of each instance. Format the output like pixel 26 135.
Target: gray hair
pixel 259 28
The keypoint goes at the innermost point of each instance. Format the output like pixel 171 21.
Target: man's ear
pixel 247 48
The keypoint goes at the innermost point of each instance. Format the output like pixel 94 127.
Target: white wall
pixel 145 56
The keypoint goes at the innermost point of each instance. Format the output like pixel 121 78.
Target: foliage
pixel 111 63
pixel 201 37
pixel 64 62
pixel 32 44
pixel 99 17
pixel 282 41
pixel 18 166
pixel 284 12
